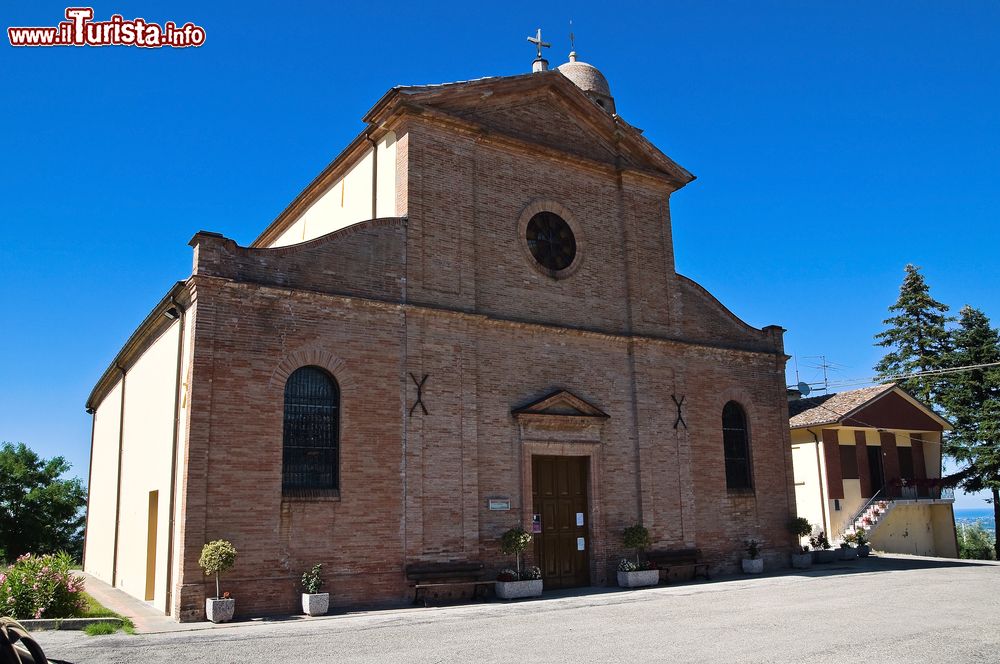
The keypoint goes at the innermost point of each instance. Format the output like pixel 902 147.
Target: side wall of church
pixel 134 431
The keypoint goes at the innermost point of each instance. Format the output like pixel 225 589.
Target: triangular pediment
pixel 544 109
pixel 560 404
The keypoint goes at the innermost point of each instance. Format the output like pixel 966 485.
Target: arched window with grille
pixel 736 444
pixel 310 460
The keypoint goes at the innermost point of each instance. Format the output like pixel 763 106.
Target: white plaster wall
pixel 146 461
pixel 346 202
pixel 918 529
pixel 808 491
pixel 385 204
pixel 99 545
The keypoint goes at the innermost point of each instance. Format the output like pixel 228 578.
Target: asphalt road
pixel 902 610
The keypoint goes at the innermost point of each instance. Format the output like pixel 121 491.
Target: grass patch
pixel 94 609
pixel 99 629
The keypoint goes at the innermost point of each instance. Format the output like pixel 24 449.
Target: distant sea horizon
pixel 971 515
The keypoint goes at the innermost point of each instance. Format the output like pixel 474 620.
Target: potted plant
pixel 217 557
pixel 847 552
pixel 822 552
pixel 513 583
pixel 639 573
pixel 799 527
pixel 753 563
pixel 314 603
pixel 861 539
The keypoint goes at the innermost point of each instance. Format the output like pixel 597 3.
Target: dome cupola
pixel 588 78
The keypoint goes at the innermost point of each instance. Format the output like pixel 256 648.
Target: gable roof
pixel 561 403
pixel 491 107
pixel 482 100
pixel 845 408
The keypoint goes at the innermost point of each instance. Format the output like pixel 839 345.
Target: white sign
pixel 579 544
pixel 579 518
pixel 499 504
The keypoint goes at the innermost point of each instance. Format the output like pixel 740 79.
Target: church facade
pixel 470 320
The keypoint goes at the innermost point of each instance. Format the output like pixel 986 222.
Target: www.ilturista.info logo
pixel 81 30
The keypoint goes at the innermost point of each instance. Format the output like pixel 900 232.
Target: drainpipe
pixel 173 453
pixel 118 479
pixel 822 490
pixel 90 483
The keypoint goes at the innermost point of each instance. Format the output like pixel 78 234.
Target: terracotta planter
pixel 518 589
pixel 848 553
pixel 316 604
pixel 802 560
pixel 825 555
pixel 864 550
pixel 220 610
pixel 639 579
pixel 753 565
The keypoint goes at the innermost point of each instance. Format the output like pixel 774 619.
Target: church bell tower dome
pixel 588 78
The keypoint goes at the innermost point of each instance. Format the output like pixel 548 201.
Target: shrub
pixel 975 542
pixel 636 537
pixel 312 580
pixel 217 557
pixel 514 542
pixel 40 587
pixel 753 547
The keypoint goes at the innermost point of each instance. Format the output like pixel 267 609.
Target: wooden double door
pixel 560 507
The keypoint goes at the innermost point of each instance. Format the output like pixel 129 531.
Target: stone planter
pixel 825 555
pixel 848 553
pixel 220 610
pixel 753 565
pixel 639 578
pixel 802 560
pixel 316 604
pixel 518 589
pixel 864 550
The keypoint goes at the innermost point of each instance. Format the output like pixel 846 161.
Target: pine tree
pixel 916 337
pixel 972 399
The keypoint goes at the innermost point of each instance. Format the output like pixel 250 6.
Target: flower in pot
pixel 638 573
pixel 314 603
pixel 513 583
pixel 799 527
pixel 217 557
pixel 822 552
pixel 753 563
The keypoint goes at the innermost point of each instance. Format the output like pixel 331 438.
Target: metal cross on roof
pixel 539 44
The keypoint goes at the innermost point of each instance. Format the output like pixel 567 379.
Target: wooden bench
pixel 438 575
pixel 680 559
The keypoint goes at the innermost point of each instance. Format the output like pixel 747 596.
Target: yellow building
pixel 871 458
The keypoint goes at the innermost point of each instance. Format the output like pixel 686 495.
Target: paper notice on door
pixel 579 544
pixel 579 518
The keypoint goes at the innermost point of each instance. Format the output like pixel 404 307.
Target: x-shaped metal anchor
pixel 420 391
pixel 680 415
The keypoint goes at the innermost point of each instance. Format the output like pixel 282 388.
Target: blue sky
pixel 833 142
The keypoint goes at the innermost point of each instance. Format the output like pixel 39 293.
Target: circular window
pixel 551 241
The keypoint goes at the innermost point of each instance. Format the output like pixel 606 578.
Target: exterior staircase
pixel 870 516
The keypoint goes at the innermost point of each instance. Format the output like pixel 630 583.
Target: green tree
pixel 916 337
pixel 972 399
pixel 39 512
pixel 975 543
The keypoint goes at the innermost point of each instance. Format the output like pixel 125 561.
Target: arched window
pixel 736 444
pixel 311 433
